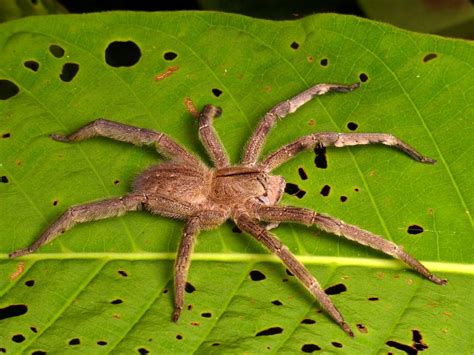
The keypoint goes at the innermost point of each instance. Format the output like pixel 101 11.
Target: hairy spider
pixel 184 188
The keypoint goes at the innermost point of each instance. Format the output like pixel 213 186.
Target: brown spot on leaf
pixel 167 73
pixel 190 107
pixel 20 267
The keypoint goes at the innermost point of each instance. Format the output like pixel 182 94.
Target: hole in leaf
pixel 300 194
pixel 406 348
pixel 189 288
pixel 34 330
pixel 291 188
pixel 277 303
pixel 270 331
pixel 294 45
pixel 343 198
pixel 362 328
pixel 8 89
pixel 356 189
pixel 418 342
pixel 289 273
pixel 320 160
pixel 324 62
pixel 32 65
pixel 13 310
pixel 190 307
pixel 102 343
pixel 429 56
pixel 363 77
pixel 308 321
pixel 143 351
pixel 206 315
pixel 117 301
pixel 309 348
pixel 69 71
pixel 179 336
pixel 74 341
pixel 170 55
pixel 335 289
pixel 302 174
pixel 30 283
pixel 3 350
pixel 373 298
pixel 34 2
pixel 56 50
pixel 217 92
pixel 216 344
pixel 55 202
pixel 336 344
pixel 256 275
pixel 352 126
pixel 325 190
pixel 122 54
pixel 6 135
pixel 18 338
pixel 4 179
pixel 39 352
pixel 415 229
pixel 116 182
pixel 236 229
pixel 122 273
pixel 165 290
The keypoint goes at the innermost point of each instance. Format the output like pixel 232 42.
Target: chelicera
pixel 185 188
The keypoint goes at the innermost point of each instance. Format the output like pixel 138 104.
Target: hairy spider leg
pixel 275 246
pixel 336 226
pixel 209 138
pixel 130 134
pixel 203 220
pixel 326 139
pixel 281 110
pixel 84 213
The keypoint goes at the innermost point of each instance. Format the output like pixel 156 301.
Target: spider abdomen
pixel 186 184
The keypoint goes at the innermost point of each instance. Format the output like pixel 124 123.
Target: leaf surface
pixel 107 286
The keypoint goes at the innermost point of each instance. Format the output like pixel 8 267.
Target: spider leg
pixel 84 213
pixel 194 225
pixel 130 134
pixel 340 228
pixel 183 260
pixel 273 244
pixel 209 138
pixel 326 139
pixel 255 143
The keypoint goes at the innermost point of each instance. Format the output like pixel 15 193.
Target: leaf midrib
pixel 435 266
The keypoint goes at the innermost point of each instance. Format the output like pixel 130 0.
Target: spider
pixel 185 188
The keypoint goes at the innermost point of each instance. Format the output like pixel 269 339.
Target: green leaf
pixel 107 286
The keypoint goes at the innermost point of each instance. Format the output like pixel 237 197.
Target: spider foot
pixel 20 252
pixel 59 137
pixel 347 329
pixel 347 88
pixel 437 280
pixel 427 160
pixel 176 314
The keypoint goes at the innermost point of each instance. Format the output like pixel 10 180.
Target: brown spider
pixel 247 193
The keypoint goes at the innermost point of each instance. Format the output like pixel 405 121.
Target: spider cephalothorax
pixel 185 188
